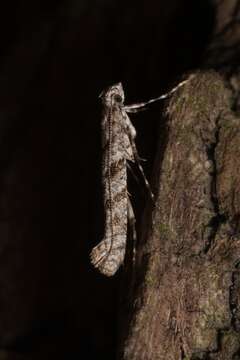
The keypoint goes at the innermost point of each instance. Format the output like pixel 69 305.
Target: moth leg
pixel 137 160
pixel 132 172
pixel 131 132
pixel 132 222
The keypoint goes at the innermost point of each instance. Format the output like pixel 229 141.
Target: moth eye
pixel 117 98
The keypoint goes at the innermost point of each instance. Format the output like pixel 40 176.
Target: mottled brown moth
pixel 119 148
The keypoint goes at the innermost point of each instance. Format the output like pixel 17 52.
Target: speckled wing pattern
pixel 117 136
pixel 118 147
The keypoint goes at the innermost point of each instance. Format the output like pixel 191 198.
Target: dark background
pixel 56 57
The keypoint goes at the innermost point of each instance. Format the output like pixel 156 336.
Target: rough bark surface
pixel 187 304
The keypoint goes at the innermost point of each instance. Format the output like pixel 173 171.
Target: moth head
pixel 114 95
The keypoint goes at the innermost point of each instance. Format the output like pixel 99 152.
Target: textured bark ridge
pixel 187 304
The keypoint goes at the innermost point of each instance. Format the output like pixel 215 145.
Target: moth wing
pixel 108 260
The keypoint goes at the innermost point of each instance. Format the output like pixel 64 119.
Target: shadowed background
pixel 55 60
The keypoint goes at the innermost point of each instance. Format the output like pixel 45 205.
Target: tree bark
pixel 186 297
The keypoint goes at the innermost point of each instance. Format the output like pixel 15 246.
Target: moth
pixel 119 150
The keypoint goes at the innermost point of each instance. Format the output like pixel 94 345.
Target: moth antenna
pixel 142 106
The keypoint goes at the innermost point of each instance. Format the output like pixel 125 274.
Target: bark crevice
pixel 219 218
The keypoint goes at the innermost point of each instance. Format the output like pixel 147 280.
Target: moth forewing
pixel 109 254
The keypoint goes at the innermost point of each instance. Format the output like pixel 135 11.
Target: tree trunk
pixel 186 298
